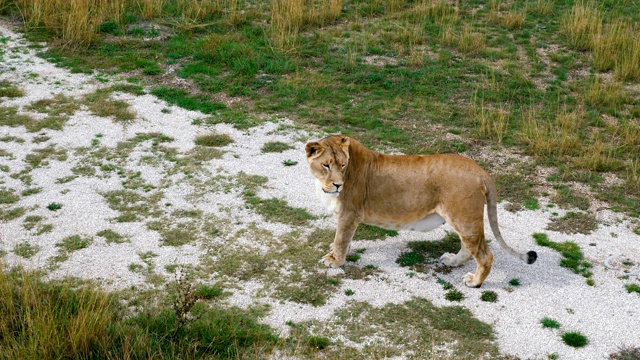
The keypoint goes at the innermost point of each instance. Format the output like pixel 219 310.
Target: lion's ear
pixel 344 142
pixel 314 149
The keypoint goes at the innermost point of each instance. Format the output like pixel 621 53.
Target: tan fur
pixel 399 191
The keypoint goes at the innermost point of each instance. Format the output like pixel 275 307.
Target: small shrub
pixel 514 282
pixel 349 292
pixel 454 295
pixel 550 323
pixel 289 162
pixel 490 296
pixel 575 339
pixel 54 206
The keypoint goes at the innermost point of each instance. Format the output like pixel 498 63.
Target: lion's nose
pixel 337 185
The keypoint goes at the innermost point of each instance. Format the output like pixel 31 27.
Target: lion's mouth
pixel 331 192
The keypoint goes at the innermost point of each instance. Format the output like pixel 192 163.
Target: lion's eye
pixel 343 166
pixel 326 166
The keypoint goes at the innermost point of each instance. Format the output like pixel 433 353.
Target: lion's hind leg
pixel 478 248
pixel 458 259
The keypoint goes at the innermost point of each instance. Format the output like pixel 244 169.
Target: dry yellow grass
pixel 492 123
pixel 74 21
pixel 287 17
pixel 540 7
pixel 471 41
pixel 50 322
pixel 604 93
pixel 552 137
pixel 627 64
pixel 581 25
pixel 607 44
pixel 150 9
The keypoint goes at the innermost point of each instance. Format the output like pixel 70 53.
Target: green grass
pixel 573 258
pixel 74 243
pixel 370 232
pixel 523 66
pixel 632 288
pixel 25 250
pixel 514 282
pixel 454 295
pixel 7 196
pixel 550 323
pixel 425 255
pixel 574 222
pixel 111 236
pixel 276 146
pixel 9 90
pixel 574 339
pixel 489 296
pixel 63 319
pixel 13 213
pixel 190 102
pixel 277 210
pixel 54 206
pixel 214 140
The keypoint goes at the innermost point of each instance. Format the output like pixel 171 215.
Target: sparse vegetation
pixel 573 258
pixel 26 250
pixel 552 82
pixel 425 255
pixel 111 236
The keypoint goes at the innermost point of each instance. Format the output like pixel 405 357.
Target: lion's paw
pixel 330 260
pixel 468 279
pixel 448 259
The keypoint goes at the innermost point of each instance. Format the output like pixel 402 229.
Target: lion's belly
pixel 425 224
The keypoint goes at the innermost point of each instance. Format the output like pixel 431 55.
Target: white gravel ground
pixel 606 313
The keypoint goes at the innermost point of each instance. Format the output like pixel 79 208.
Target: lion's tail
pixel 492 211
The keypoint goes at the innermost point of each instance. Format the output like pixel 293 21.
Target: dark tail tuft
pixel 531 257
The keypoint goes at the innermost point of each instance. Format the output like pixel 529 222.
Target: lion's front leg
pixel 347 225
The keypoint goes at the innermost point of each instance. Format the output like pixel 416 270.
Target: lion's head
pixel 328 159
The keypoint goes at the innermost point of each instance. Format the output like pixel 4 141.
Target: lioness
pixel 407 192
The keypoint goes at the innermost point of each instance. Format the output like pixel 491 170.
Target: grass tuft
pixel 490 296
pixel 574 339
pixel 216 140
pixel 633 288
pixel 550 323
pixel 54 206
pixel 276 146
pixel 454 295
